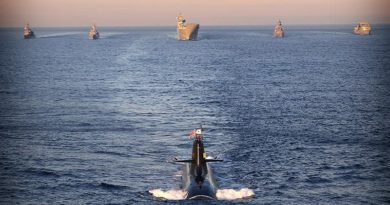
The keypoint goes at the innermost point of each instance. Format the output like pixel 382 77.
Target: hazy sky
pixel 206 12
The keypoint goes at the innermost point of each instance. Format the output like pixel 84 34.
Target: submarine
pixel 363 28
pixel 186 32
pixel 197 178
pixel 93 33
pixel 28 33
pixel 278 31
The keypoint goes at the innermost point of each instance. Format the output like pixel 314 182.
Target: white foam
pixel 172 194
pixel 231 194
pixel 222 194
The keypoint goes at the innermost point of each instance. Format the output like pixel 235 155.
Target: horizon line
pixel 207 25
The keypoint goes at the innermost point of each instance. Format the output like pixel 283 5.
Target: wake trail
pixel 54 35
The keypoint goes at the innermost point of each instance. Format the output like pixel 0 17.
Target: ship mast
pixel 93 28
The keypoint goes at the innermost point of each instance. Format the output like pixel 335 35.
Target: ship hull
pixel 29 36
pixel 190 32
pixel 93 36
pixel 279 34
pixel 362 32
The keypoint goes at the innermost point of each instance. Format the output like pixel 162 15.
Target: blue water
pixel 299 120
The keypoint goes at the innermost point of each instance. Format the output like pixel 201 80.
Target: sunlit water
pixel 301 120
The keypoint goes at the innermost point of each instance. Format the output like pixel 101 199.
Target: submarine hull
pixel 189 32
pixel 195 188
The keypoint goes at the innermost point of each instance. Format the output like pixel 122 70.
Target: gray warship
pixel 278 31
pixel 363 28
pixel 28 33
pixel 93 33
pixel 188 31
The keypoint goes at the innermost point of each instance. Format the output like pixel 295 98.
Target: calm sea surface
pixel 299 120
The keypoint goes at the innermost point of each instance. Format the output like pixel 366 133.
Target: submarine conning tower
pixel 198 153
pixel 198 156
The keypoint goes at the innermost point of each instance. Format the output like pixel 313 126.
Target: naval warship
pixel 278 31
pixel 93 33
pixel 28 33
pixel 188 31
pixel 363 28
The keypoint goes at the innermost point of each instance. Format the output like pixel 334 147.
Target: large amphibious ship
pixel 93 33
pixel 188 31
pixel 363 28
pixel 278 31
pixel 28 33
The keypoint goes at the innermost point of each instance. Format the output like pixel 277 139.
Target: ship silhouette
pixel 185 31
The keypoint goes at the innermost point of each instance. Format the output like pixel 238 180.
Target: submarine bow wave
pixel 222 194
pixel 172 194
pixel 231 194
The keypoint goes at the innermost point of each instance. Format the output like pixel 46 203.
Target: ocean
pixel 299 120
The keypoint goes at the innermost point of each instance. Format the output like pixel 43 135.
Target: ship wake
pixel 58 35
pixel 113 34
